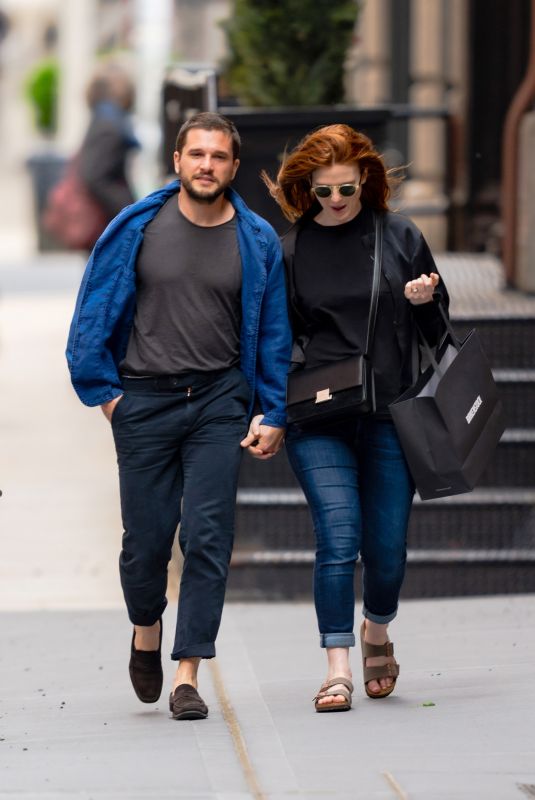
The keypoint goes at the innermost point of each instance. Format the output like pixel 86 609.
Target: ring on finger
pixel 415 290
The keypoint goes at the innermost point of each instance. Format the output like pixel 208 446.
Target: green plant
pixel 290 52
pixel 41 89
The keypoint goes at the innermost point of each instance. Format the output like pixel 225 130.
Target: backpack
pixel 71 213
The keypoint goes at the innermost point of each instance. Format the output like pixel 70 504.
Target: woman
pixel 95 187
pixel 109 141
pixel 353 473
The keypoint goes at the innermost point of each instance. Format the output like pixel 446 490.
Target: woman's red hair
pixel 331 144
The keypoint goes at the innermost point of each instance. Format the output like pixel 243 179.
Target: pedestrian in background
pixel 95 186
pixel 109 140
pixel 180 329
pixel 353 472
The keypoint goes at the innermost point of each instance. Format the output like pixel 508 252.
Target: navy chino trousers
pixel 178 452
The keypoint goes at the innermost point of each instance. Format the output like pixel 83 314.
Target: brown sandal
pixel 323 692
pixel 376 673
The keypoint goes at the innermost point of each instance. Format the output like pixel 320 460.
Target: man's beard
pixel 207 197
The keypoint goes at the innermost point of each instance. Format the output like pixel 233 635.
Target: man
pixel 180 329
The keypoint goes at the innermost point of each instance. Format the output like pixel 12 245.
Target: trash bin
pixel 46 169
pixel 187 89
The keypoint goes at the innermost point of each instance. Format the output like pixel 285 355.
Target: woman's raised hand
pixel 421 289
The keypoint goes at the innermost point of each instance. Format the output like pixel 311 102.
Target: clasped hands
pixel 263 441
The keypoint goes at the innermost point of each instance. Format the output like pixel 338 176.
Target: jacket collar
pixel 139 214
pixel 231 194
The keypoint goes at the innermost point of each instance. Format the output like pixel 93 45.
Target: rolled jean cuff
pixel 337 640
pixel 379 619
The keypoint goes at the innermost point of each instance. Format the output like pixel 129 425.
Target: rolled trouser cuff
pixel 204 650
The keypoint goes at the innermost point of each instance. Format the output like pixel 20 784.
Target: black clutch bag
pixel 330 392
pixel 341 389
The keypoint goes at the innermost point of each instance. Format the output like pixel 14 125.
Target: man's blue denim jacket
pixel 106 304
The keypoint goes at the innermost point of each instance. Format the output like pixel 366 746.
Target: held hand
pixel 263 441
pixel 421 289
pixel 107 408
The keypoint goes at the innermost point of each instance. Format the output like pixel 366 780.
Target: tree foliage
pixel 42 92
pixel 289 52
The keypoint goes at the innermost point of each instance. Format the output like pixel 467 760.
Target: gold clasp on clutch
pixel 323 395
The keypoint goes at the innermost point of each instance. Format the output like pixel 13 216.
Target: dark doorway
pixel 498 57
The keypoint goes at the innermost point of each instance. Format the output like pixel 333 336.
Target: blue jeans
pixel 359 491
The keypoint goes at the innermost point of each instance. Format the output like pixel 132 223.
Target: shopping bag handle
pixel 432 356
pixel 453 336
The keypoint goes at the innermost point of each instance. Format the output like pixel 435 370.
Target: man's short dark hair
pixel 209 121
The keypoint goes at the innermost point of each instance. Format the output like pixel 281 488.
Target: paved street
pixel 459 726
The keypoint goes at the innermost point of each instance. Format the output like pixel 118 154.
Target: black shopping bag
pixel 450 421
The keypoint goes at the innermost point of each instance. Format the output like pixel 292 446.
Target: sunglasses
pixel 344 189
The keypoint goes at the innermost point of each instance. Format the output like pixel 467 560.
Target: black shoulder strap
pixel 376 282
pixel 288 242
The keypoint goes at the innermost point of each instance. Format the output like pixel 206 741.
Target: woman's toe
pixel 330 699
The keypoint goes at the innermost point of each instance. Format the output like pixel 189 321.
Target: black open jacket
pixel 406 255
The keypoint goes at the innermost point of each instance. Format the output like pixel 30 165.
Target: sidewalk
pixel 71 726
pixel 458 727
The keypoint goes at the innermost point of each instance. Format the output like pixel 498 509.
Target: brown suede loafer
pixel 186 703
pixel 146 672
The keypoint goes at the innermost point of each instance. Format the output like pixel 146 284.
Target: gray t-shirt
pixel 188 297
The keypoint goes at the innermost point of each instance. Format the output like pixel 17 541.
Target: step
pixel 429 557
pixel 276 472
pixel 487 519
pixel 507 339
pixel 513 464
pixel 278 581
pixel 517 392
pixel 473 544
